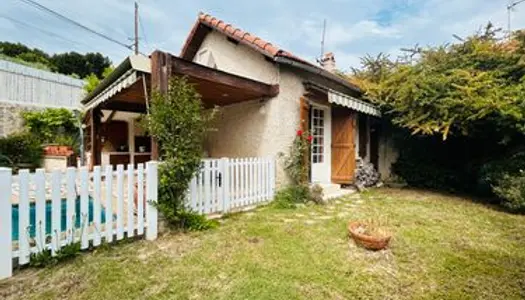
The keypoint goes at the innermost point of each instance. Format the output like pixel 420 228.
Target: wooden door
pixel 343 145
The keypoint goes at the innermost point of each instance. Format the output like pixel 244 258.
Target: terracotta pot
pixel 367 241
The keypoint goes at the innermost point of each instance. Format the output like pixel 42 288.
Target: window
pixel 318 131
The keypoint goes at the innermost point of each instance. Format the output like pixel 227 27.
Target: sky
pixel 355 28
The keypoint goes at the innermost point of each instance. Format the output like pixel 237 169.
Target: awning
pixel 353 103
pixel 125 75
pixel 125 81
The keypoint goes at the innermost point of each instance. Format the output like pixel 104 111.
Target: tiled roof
pixel 264 47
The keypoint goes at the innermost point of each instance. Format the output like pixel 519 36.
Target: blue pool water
pixel 63 220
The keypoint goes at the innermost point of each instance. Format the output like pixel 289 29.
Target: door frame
pixel 321 172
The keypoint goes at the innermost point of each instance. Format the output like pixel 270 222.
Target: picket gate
pixel 231 184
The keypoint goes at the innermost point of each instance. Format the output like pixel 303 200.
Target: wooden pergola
pixel 128 89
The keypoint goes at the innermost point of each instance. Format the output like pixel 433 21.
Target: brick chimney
pixel 328 62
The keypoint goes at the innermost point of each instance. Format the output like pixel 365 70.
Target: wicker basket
pixel 367 241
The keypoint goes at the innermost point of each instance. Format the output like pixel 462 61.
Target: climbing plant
pixel 179 122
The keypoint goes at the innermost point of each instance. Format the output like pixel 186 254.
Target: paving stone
pixel 309 222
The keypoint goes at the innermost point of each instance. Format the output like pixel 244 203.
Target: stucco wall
pixel 260 127
pixel 238 59
pixel 10 117
pixel 263 127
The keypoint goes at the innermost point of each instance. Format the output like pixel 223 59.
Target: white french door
pixel 321 131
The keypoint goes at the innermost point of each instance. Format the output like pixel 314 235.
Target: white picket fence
pixel 116 192
pixel 225 185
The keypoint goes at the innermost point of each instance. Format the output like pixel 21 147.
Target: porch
pixel 113 110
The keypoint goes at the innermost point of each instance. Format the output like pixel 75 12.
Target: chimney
pixel 328 62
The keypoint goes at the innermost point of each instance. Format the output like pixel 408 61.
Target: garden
pixel 443 246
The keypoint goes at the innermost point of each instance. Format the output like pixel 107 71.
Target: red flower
pixel 310 138
pixel 299 132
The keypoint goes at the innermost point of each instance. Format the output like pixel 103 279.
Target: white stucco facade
pixel 261 127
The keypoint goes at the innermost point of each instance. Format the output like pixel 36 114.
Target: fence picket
pixel 96 205
pixel 140 199
pixel 55 212
pixel 120 202
pixel 40 206
pixel 151 196
pixel 207 180
pixel 6 243
pixel 213 186
pixel 71 197
pixel 84 208
pixel 109 204
pixel 129 219
pixel 23 217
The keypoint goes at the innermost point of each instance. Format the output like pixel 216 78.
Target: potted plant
pixel 370 234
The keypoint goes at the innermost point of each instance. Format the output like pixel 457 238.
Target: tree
pixel 451 89
pixel 69 63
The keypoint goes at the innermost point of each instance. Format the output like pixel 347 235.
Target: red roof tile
pixel 264 47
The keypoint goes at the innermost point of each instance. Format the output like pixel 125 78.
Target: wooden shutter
pixel 343 145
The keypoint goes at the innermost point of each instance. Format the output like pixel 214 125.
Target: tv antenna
pixel 510 7
pixel 322 41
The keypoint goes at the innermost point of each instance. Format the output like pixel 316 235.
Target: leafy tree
pixel 179 122
pixel 451 89
pixel 92 80
pixel 69 63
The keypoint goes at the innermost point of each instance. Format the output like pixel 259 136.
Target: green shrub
pixel 493 171
pixel 179 122
pixel 292 195
pixel 20 150
pixel 511 191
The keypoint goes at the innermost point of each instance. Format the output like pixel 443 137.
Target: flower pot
pixel 367 241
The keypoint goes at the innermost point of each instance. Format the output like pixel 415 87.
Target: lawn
pixel 444 247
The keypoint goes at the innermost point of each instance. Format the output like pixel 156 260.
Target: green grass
pixel 444 247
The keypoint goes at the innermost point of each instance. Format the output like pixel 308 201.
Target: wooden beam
pixel 193 70
pixel 95 137
pixel 160 72
pixel 124 106
pixel 111 116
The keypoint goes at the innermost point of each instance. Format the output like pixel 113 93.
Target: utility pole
pixel 510 7
pixel 136 28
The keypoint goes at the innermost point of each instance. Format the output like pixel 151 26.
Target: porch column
pixel 95 137
pixel 161 68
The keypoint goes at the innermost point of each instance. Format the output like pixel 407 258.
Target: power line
pixel 50 33
pixel 66 19
pixel 39 29
pixel 143 31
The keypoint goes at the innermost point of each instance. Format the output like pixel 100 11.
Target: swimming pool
pixel 63 215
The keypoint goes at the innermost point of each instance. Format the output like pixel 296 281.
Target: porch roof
pixel 125 89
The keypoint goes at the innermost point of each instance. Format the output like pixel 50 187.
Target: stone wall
pixel 10 118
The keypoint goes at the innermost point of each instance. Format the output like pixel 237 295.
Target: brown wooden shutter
pixel 343 145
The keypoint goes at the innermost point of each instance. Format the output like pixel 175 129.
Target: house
pixel 24 88
pixel 265 95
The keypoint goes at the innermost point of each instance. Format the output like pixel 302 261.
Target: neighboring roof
pixel 206 22
pixel 130 65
